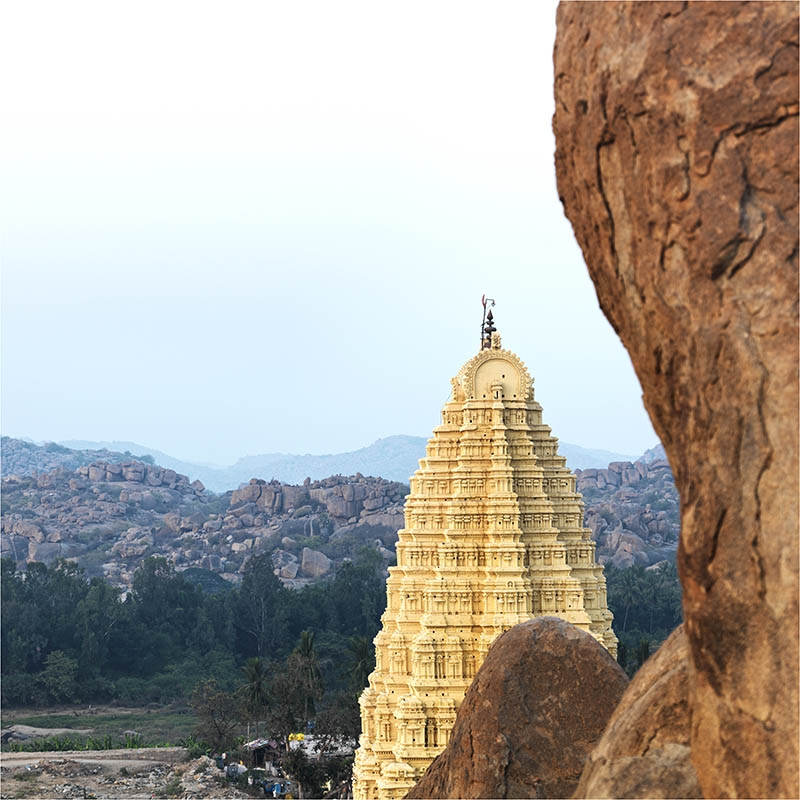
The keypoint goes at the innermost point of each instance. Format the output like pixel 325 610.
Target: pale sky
pixel 246 227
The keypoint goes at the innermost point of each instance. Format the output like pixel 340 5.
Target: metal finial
pixel 487 328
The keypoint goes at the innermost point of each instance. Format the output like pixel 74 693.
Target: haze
pixel 240 228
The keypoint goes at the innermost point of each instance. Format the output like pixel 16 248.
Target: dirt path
pixel 137 758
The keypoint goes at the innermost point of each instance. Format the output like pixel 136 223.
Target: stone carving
pixel 494 536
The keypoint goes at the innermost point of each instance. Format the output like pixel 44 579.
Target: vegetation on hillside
pixel 67 639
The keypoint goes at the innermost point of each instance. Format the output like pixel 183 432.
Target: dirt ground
pixel 109 774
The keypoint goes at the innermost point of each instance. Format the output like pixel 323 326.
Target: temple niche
pixel 493 536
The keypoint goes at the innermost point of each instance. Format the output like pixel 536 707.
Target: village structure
pixel 493 536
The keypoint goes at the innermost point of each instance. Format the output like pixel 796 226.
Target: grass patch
pixel 157 727
pixel 172 789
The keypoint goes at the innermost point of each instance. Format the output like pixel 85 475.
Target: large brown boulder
pixel 676 158
pixel 644 751
pixel 535 709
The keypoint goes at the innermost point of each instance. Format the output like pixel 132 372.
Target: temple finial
pixel 487 324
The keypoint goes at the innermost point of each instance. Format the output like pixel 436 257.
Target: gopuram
pixel 494 536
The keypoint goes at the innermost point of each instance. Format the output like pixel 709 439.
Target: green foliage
pixel 255 690
pixel 59 677
pixel 310 774
pixel 195 747
pixel 647 607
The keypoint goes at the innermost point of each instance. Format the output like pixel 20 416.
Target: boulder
pixel 133 471
pixel 289 570
pixel 644 750
pixel 43 551
pixel 97 472
pixel 314 564
pixel 148 500
pixel 537 706
pixel 29 530
pixel 677 163
pixel 173 522
pixel 246 494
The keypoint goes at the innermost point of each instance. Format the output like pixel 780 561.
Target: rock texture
pixel 535 709
pixel 676 157
pixel 110 516
pixel 632 509
pixel 644 751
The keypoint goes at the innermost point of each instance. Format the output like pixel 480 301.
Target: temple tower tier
pixel 493 536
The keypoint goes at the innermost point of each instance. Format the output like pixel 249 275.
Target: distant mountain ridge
pixel 394 458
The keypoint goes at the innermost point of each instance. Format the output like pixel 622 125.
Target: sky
pixel 246 227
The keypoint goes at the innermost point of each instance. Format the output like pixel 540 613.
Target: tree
pixel 285 711
pixel 362 653
pixel 60 677
pixel 340 720
pixel 309 774
pixel 642 652
pixel 261 608
pixel 255 690
pixel 218 715
pixel 98 615
pixel 304 663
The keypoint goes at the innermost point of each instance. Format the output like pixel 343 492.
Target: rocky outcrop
pixel 20 457
pixel 108 516
pixel 538 704
pixel 676 158
pixel 644 750
pixel 632 509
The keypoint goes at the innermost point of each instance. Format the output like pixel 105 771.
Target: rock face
pixel 109 516
pixel 535 709
pixel 676 158
pixel 644 751
pixel 632 509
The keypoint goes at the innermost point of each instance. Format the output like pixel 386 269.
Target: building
pixel 493 536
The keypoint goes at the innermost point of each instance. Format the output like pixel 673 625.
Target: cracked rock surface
pixel 644 751
pixel 538 704
pixel 676 159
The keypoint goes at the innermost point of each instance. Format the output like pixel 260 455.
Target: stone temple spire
pixel 493 536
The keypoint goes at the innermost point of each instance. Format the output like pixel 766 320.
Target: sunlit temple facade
pixel 493 536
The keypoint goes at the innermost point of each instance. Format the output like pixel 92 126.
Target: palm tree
pixel 629 591
pixel 362 652
pixel 255 689
pixel 306 664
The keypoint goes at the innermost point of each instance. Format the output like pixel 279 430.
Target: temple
pixel 493 536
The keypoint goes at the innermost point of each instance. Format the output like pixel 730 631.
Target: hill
pixel 394 458
pixel 108 515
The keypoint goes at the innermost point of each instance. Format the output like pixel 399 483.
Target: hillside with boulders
pixel 21 457
pixel 633 511
pixel 109 515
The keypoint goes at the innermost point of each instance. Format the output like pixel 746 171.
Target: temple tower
pixel 493 536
